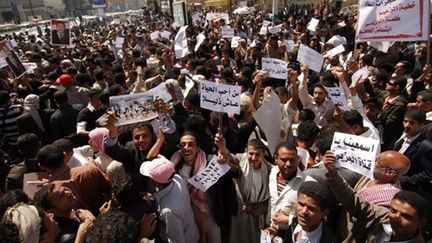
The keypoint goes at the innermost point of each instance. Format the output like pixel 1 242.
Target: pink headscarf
pixel 97 135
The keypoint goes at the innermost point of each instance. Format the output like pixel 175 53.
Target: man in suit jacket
pixel 60 35
pixel 418 149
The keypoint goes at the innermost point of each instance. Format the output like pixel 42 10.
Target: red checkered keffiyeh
pixel 378 194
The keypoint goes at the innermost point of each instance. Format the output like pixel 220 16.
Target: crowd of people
pixel 70 174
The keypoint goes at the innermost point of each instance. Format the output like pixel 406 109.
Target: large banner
pixel 393 20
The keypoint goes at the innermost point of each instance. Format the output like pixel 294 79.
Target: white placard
pixel 275 67
pixel 381 45
pixel 338 49
pixel 265 237
pixel 275 29
pixel 220 97
pixel 154 35
pixel 235 41
pixel 313 24
pixel 304 156
pixel 337 95
pixel 355 153
pixel 263 30
pixel 393 20
pixel 30 67
pixel 32 183
pixel 160 91
pixel 119 42
pixel 200 39
pixel 133 108
pixel 310 57
pixel 165 34
pixel 227 32
pixel 290 45
pixel 360 74
pixel 210 175
pixel 181 48
pixel 189 85
pixel 269 118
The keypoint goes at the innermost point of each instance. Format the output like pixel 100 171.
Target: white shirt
pixel 429 116
pixel 385 236
pixel 407 142
pixel 308 237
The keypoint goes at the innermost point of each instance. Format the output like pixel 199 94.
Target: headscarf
pixel 31 104
pixel 97 135
pixel 27 220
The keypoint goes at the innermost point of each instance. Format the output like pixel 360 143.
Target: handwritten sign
pixel 210 175
pixel 160 91
pixel 154 35
pixel 220 97
pixel 275 29
pixel 338 49
pixel 275 67
pixel 380 45
pixel 290 45
pixel 310 57
pixel 360 74
pixel 133 108
pixel 227 32
pixel 165 34
pixel 30 67
pixel 235 41
pixel 119 42
pixel 355 153
pixel 265 237
pixel 313 24
pixel 337 95
pixel 392 20
pixel 181 47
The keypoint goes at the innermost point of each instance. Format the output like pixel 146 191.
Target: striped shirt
pixel 8 120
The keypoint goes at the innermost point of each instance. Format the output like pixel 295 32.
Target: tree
pixel 8 15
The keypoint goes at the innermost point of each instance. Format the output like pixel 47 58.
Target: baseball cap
pixel 65 80
pixel 159 169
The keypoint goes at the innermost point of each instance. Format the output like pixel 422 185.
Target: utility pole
pixel 31 8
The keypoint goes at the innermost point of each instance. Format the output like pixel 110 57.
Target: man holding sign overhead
pixel 318 103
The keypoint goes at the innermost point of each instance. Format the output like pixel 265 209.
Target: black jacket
pixel 286 233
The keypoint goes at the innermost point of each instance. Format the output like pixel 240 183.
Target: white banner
pixel 275 67
pixel 355 153
pixel 393 20
pixel 310 57
pixel 220 97
pixel 210 175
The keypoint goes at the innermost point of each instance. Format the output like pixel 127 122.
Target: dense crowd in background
pixel 98 182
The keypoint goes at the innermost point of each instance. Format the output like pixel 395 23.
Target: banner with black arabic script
pixel 393 20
